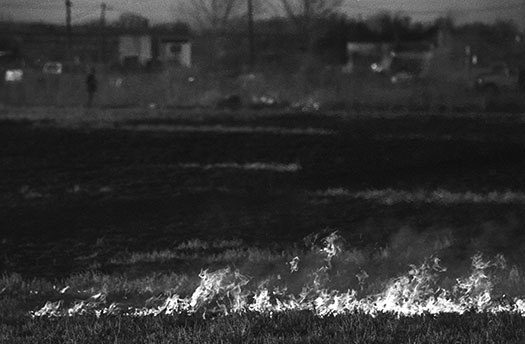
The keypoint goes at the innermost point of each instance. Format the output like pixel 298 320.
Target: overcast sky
pixel 162 10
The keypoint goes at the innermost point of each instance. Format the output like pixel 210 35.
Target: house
pixel 142 49
pixel 138 47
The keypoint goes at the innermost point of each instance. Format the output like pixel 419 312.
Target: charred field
pixel 262 227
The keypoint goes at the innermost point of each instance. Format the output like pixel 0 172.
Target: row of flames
pixel 226 291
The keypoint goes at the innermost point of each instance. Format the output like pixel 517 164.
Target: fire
pixel 228 291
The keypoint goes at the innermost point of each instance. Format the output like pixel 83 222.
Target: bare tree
pixel 304 13
pixel 210 15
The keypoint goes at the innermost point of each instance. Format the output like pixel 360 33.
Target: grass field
pixel 261 227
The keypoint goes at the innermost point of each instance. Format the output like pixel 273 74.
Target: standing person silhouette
pixel 91 84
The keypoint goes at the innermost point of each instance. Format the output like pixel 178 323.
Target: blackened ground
pixel 62 190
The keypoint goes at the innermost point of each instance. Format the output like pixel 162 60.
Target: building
pixel 126 47
pixel 142 49
pixel 176 50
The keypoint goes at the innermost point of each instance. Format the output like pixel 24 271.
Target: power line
pixel 44 6
pixel 94 12
pixel 22 4
pixel 33 1
pixel 58 4
pixel 85 15
pixel 32 7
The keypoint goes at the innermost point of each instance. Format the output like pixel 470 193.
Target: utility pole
pixel 68 29
pixel 251 34
pixel 103 8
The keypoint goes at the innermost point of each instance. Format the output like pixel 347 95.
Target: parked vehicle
pixel 498 78
pixel 403 68
pixel 52 68
pixel 14 75
pixel 58 68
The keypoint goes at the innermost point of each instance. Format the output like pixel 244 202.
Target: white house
pixel 143 49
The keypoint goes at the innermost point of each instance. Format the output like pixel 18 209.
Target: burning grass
pixel 326 292
pixel 323 278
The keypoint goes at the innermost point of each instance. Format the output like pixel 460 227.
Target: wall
pixel 135 46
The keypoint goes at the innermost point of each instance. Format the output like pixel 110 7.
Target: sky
pixel 163 10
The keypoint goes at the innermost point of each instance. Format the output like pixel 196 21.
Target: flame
pixel 228 291
pixel 331 248
pixel 294 264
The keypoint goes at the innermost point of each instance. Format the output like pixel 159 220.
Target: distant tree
pixel 491 42
pixel 209 15
pixel 5 17
pixel 177 27
pixel 387 26
pixel 398 28
pixel 306 14
pixel 9 50
pixel 9 44
pixel 496 33
pixel 130 20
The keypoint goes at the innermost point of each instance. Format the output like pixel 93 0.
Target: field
pixel 128 226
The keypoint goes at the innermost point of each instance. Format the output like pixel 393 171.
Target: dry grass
pixel 189 88
pixel 293 327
